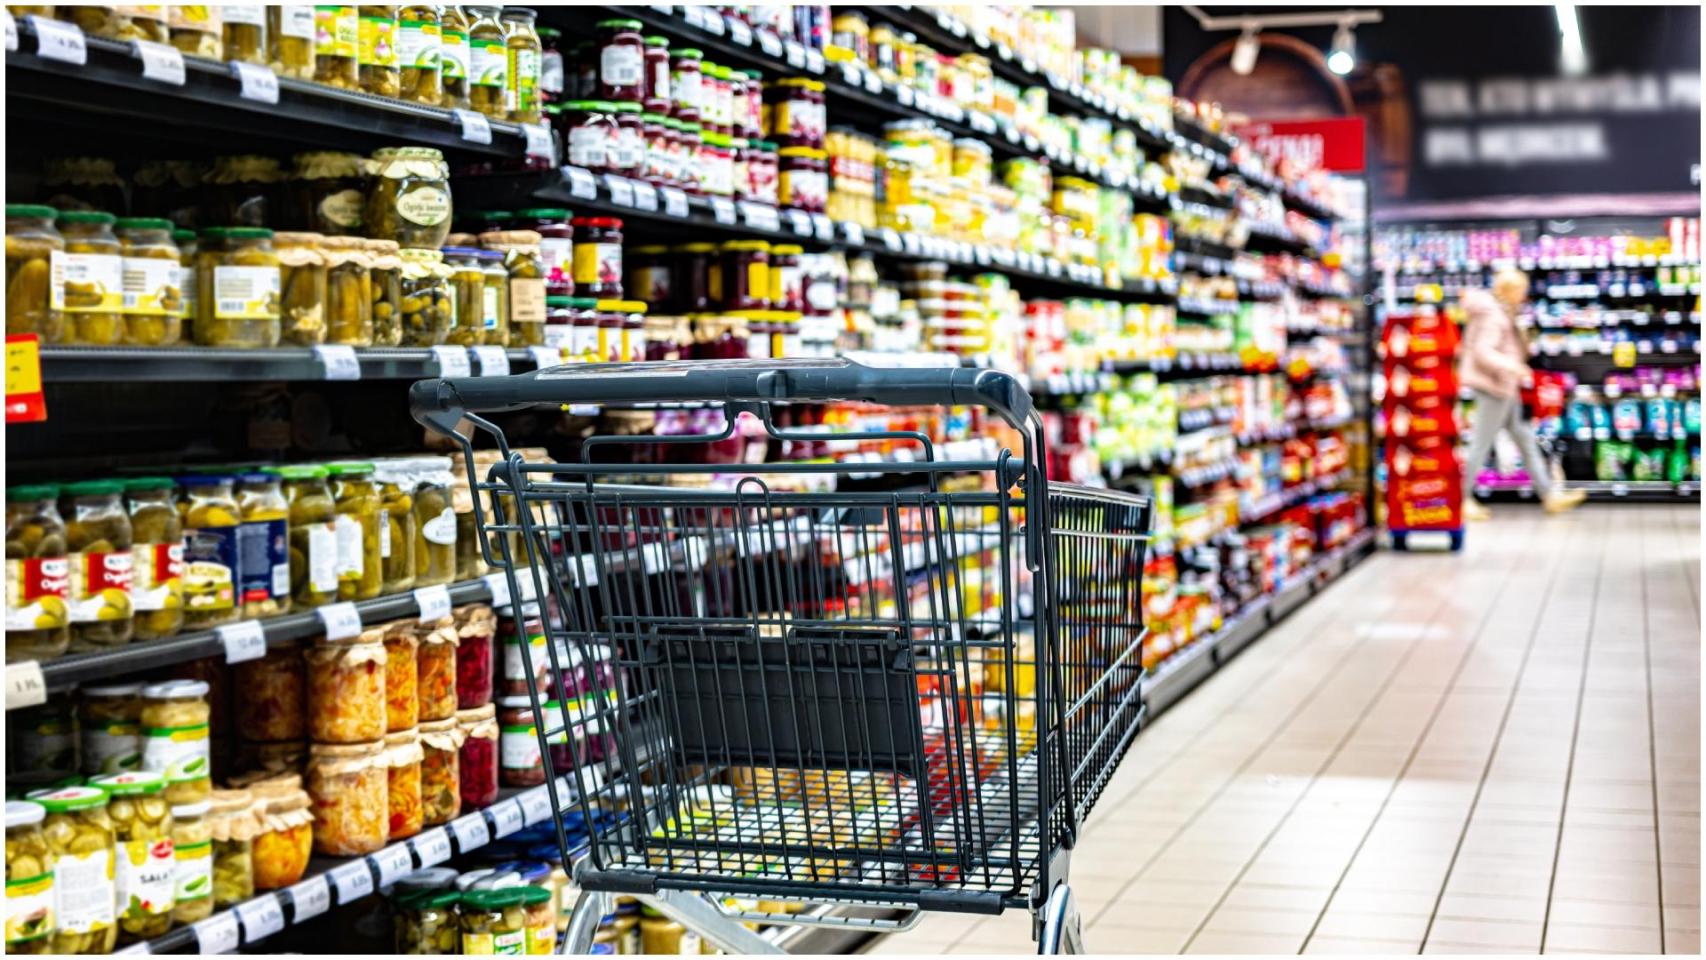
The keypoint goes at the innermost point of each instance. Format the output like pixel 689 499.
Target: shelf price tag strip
pixel 392 862
pixel 310 898
pixel 352 881
pixel 242 641
pixel 452 361
pixel 25 685
pixel 159 61
pixel 261 917
pixel 494 360
pixel 674 201
pixel 471 831
pixel 342 620
pixel 218 933
pixel 432 847
pixel 338 360
pixel 506 817
pixel 434 602
pixel 255 82
pixel 475 127
pixel 498 585
pixel 59 41
pixel 11 30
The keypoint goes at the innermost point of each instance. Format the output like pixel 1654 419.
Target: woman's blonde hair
pixel 1510 285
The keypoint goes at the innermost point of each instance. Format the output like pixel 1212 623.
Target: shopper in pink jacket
pixel 1494 367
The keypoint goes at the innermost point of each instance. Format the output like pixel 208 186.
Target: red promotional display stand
pixel 1424 479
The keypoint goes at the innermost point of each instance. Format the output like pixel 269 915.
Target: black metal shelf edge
pixel 196 364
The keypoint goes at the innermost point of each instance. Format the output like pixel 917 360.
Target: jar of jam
pixel 751 112
pixel 610 320
pixel 794 112
pixel 598 256
pixel 719 336
pixel 787 281
pixel 633 313
pixel 621 60
pixel 628 146
pixel 657 75
pixel 664 338
pixel 762 170
pixel 559 325
pixel 739 157
pixel 685 79
pixel 742 278
pixel 759 331
pixel 583 329
pixel 589 129
pixel 556 246
pixel 735 83
pixel 550 65
pixel 715 110
pixel 690 281
pixel 648 276
pixel 690 147
pixel 803 178
pixel 655 164
pixel 717 165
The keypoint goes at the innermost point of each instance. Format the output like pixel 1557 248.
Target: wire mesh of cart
pixel 900 682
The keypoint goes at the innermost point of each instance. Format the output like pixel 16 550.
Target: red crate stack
pixel 1424 479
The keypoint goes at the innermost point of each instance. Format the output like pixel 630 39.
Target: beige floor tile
pixel 1419 903
pixel 1682 918
pixel 1482 906
pixel 1363 948
pixel 1338 922
pixel 1256 920
pixel 1477 949
pixel 1102 938
pixel 1509 936
pixel 1682 941
pixel 1150 890
pixel 1607 913
pixel 1589 887
pixel 1614 939
pixel 1264 897
pixel 1245 943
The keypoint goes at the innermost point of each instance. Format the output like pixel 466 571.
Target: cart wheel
pixel 1399 539
pixel 1063 930
pixel 1456 541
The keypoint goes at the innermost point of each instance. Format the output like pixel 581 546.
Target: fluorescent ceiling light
pixel 1245 50
pixel 1343 57
pixel 1572 56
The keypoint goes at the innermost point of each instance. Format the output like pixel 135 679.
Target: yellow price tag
pixel 1623 354
pixel 24 401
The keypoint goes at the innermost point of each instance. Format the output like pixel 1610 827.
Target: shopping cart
pixel 893 686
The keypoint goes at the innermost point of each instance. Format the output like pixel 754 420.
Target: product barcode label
pixel 891 238
pixel 242 641
pixel 159 61
pixel 255 82
pixel 310 898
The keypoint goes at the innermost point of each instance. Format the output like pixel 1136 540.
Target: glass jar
pixel 349 296
pixel 493 921
pixel 346 689
pixel 477 756
pixel 690 281
pixel 242 191
pixel 494 302
pixel 403 784
pixel 110 718
pixel 713 98
pixel 556 247
pixel 470 559
pixel 476 627
pixel 794 111
pixel 262 568
pixel 100 566
pixel 153 297
pixel 551 80
pixel 467 290
pixel 426 922
pixel 539 912
pixel 243 33
pixel 621 60
pixel 717 167
pixel 302 274
pixel 454 59
pixel 649 276
pixel 213 550
pixel 80 840
pixel 489 76
pixel 238 288
pixel 441 785
pixel 186 244
pixel 632 338
pixel 29 880
pixel 233 822
pixel 409 201
pixel 35 300
pixel 435 522
pixel 521 41
pixel 628 141
pixel 583 329
pixel 272 695
pixel 347 785
pixel 290 40
pixel 385 279
pixel 327 192
pixel 313 535
pixel 419 53
pixel 337 35
pixel 136 22
pixel 376 48
pixel 752 111
pixel 664 338
pixel 38 625
pixel 397 538
pixel 524 271
pixel 787 280
pixel 608 316
pixel 741 280
pixel 684 84
pixel 44 742
pixel 803 180
pixel 192 862
pixel 427 309
pixel 589 130
pixel 402 676
pixel 175 726
pixel 763 171
pixel 598 257
pixel 357 524
pixel 197 29
pixel 657 75
pixel 282 847
pixel 520 763
pixel 157 558
pixel 559 336
pixel 91 269
pixel 654 154
pixel 720 337
pixel 141 818
pixel 435 660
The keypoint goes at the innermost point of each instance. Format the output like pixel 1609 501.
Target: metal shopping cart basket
pixel 897 684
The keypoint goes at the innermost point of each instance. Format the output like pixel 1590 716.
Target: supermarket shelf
pixel 200 364
pixel 1284 500
pixel 1600 491
pixel 1432 268
pixel 1207 307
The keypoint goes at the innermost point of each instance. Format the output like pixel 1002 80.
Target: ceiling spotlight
pixel 1245 50
pixel 1343 57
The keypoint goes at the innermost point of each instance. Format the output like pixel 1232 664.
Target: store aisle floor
pixel 1496 752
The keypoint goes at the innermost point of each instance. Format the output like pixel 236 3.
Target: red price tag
pixel 24 401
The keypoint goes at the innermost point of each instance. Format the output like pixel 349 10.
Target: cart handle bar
pixel 441 403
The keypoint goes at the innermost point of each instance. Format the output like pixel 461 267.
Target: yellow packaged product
pixel 196 29
pixel 122 22
pixel 419 53
pixel 244 31
pixel 435 521
pixel 238 288
pixel 403 783
pixel 376 50
pixel 385 268
pixel 29 880
pixel 397 538
pixel 402 703
pixel 410 197
pixel 435 660
pixel 347 783
pixel 525 316
pixel 336 36
pixel 192 854
pixel 110 718
pixel 427 307
pixel 212 547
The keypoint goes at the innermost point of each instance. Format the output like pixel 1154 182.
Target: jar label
pixel 542 939
pixel 524 79
pixel 621 65
pixel 583 342
pixel 787 290
pixel 36 592
pixel 426 206
pixel 29 909
pixel 551 73
pixel 100 586
pixel 151 286
pixel 187 287
pixel 651 284
pixel 295 20
pixel 322 557
pixel 176 753
pixel 51 745
pixel 658 89
pixel 347 529
pixel 384 541
pixel 527 301
pixel 598 263
pixel 518 748
pixel 83 891
pixel 156 581
pixel 193 873
pixel 589 146
pixel 489 312
pixel 200 17
pixel 557 254
pixel 419 44
pixel 112 748
pixel 491 63
pixel 263 560
pixel 441 529
pixel 87 282
pixel 560 337
pixel 378 41
pixel 343 208
pixel 245 293
pixel 758 347
pixel 145 881
pixel 210 567
pixel 335 32
pixel 245 14
pixel 627 149
pixel 453 55
pixel 685 86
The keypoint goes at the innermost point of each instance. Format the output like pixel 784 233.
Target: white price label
pixel 1053 266
pixel 341 619
pixel 760 216
pixel 256 82
pixel 982 123
pixel 903 93
pixel 824 227
pixel 216 934
pixel 621 190
pixel 25 685
pixel 261 917
pixel 674 201
pixel 1011 132
pixel 433 601
pixel 982 255
pixel 475 127
pixel 645 197
pixel 739 32
pixel 801 222
pixel 506 817
pixel 352 881
pixel 695 16
pixel 910 242
pixel 470 832
pixel 59 41
pixel 873 83
pixel 452 361
pixel 159 61
pixel 850 74
pixel 581 184
pixel 539 143
pixel 242 641
pixel 392 862
pixel 723 209
pixel 535 806
pixel 795 52
pixel 770 43
pixel 543 357
pixel 11 28
pixel 713 24
pixel 498 585
pixel 339 361
pixel 891 238
pixel 855 233
pixel 432 847
pixel 493 360
pixel 310 898
pixel 814 61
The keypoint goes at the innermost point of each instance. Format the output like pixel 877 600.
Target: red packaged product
pixel 475 626
pixel 477 759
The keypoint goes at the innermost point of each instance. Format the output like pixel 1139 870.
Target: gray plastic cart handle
pixel 440 404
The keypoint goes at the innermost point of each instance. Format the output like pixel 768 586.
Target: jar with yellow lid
pixel 347 784
pixel 427 308
pixel 234 820
pixel 741 278
pixel 272 695
pixel 313 535
pixel 302 274
pixel 349 293
pixel 238 288
pixel 153 296
pixel 397 539
pixel 141 818
pixel 197 29
pixel 93 278
pixel 157 558
pixel 385 281
pixel 81 843
pixel 291 41
pixel 403 784
pixel 409 201
pixel 356 502
pixel 346 689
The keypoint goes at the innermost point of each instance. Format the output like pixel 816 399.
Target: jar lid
pixel 172 689
pixel 135 783
pixel 230 801
pixel 809 153
pixel 787 250
pixel 764 145
pixel 206 480
pixel 299 471
pixel 582 303
pixel 141 223
pixel 519 13
pixel 27 492
pixel 71 799
pixel 258 477
pixel 192 809
pixel 248 233
pixel 532 895
pixel 619 25
pixel 113 690
pixel 428 880
pixel 754 246
pixel 148 483
pixel 484 711
pixel 653 118
pixel 626 106
pixel 87 216
pixel 544 213
pixel 348 468
pixel 459 251
pixel 690 52
pixel 620 306
pixel 422 256
pixel 345 751
pixel 437 726
pixel 93 488
pixel 614 223
pixel 23 813
pixel 651 249
pixel 30 210
pixel 298 239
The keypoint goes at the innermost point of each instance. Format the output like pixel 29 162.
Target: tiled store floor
pixel 1496 752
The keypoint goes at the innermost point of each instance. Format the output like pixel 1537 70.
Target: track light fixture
pixel 1244 52
pixel 1343 57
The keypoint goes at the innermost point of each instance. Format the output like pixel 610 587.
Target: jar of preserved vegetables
pixel 349 295
pixel 35 298
pixel 477 757
pixel 539 912
pixel 403 784
pixel 356 501
pixel 347 784
pixel 326 189
pixel 302 274
pixel 80 841
pixel 141 818
pixel 233 822
pixel 272 695
pixel 376 50
pixel 262 568
pixel 192 862
pixel 313 535
pixel 157 558
pixel 494 301
pixel 92 273
pixel 186 243
pixel 410 198
pixel 111 720
pixel 470 560
pixel 525 274
pixel 153 298
pixel 402 697
pixel 98 535
pixel 238 281
pixel 476 626
pixel 38 584
pixel 467 290
pixel 441 785
pixel 282 846
pixel 435 659
pixel 435 521
pixel 290 41
pixel 30 896
pixel 489 77
pixel 454 60
pixel 242 191
pixel 524 50
pixel 426 922
pixel 213 550
pixel 346 690
pixel 197 29
pixel 493 921
pixel 420 51
pixel 397 539
pixel 136 22
pixel 245 32
pixel 385 279
pixel 427 308
pixel 175 727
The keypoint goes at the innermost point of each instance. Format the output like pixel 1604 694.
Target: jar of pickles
pixel 302 273
pixel 141 818
pixel 356 501
pixel 282 846
pixel 385 268
pixel 192 862
pixel 213 550
pixel 428 309
pixel 110 718
pixel 494 305
pixel 238 288
pixel 290 41
pixel 35 297
pixel 477 756
pixel 435 521
pixel 403 783
pixel 435 658
pixel 313 535
pixel 402 674
pixel 489 73
pixel 233 823
pixel 349 295
pixel 157 558
pixel 467 290
pixel 244 32
pixel 30 896
pixel 397 537
pixel 99 536
pixel 523 53
pixel 525 295
pixel 539 913
pixel 81 843
pixel 346 690
pixel 326 191
pixel 272 695
pixel 175 726
pixel 426 922
pixel 410 198
pixel 263 546
pixel 470 559
pixel 198 30
pixel 38 625
pixel 153 297
pixel 493 921
pixel 420 53
pixel 347 786
pixel 91 270
pixel 376 50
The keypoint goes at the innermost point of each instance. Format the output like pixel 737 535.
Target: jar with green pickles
pixel 176 720
pixel 110 718
pixel 397 537
pixel 454 59
pixel 524 269
pixel 435 522
pixel 187 248
pixel 349 293
pixel 80 839
pixel 118 22
pixel 356 500
pixel 192 857
pixel 38 625
pixel 29 880
pixel 263 546
pixel 525 58
pixel 238 288
pixel 141 819
pixel 92 277
pixel 468 291
pixel 327 192
pixel 196 29
pixel 153 300
pixel 427 308
pixel 35 300
pixel 488 72
pixel 419 51
pixel 426 922
pixel 290 40
pixel 337 34
pixel 313 535
pixel 212 550
pixel 302 274
pixel 98 535
pixel 493 921
pixel 409 197
pixel 376 50
pixel 233 824
pixel 157 557
pixel 244 33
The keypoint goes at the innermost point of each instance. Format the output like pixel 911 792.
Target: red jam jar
pixel 740 183
pixel 598 256
pixel 628 149
pixel 690 281
pixel 611 318
pixel 719 337
pixel 655 164
pixel 691 146
pixel 589 132
pixel 657 75
pixel 752 113
pixel 742 278
pixel 685 81
pixel 787 281
pixel 475 626
pixel 717 165
pixel 803 178
pixel 650 271
pixel 583 335
pixel 762 170
pixel 556 247
pixel 621 60
pixel 560 325
pixel 794 112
